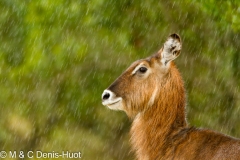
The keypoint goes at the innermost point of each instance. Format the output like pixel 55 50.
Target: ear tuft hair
pixel 171 48
pixel 176 37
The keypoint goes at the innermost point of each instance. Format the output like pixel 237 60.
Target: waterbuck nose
pixel 106 95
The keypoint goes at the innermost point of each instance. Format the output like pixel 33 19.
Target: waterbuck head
pixel 149 82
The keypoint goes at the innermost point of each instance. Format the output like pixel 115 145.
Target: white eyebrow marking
pixel 137 67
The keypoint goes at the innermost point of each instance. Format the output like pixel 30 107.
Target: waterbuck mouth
pixel 111 102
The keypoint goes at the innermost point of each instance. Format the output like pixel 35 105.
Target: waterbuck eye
pixel 142 69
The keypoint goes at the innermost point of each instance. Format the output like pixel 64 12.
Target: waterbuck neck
pixel 166 116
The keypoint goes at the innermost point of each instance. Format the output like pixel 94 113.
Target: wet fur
pixel 160 130
pixel 162 133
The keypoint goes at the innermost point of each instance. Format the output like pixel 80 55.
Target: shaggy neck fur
pixel 153 130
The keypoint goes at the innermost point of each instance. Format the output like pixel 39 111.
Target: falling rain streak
pixel 56 57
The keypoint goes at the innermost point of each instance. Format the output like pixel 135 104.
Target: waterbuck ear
pixel 171 49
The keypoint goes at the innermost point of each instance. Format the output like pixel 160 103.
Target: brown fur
pixel 160 130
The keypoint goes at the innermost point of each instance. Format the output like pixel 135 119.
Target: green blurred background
pixel 57 56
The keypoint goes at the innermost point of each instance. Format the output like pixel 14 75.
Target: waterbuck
pixel 151 92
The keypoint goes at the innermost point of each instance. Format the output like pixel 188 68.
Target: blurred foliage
pixel 56 58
